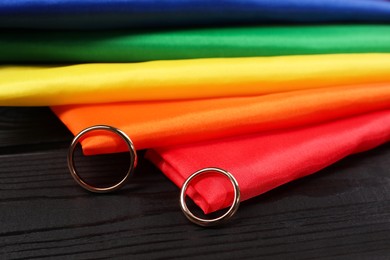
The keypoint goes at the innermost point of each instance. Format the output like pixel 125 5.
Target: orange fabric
pixel 163 123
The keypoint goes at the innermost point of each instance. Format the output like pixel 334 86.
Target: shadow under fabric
pixel 166 123
pixel 261 162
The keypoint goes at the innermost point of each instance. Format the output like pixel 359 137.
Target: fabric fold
pixel 186 79
pixel 130 46
pixel 156 124
pixel 261 162
pixel 109 14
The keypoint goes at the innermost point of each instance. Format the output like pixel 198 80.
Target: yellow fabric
pixel 183 79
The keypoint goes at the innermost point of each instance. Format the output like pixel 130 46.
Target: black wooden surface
pixel 342 212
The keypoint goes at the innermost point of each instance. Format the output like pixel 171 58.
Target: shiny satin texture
pixel 186 79
pixel 262 162
pixel 157 124
pixel 130 46
pixel 109 14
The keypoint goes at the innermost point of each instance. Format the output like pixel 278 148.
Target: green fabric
pixel 124 46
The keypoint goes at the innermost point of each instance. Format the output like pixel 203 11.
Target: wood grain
pixel 342 212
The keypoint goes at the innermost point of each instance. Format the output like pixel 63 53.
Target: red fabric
pixel 261 162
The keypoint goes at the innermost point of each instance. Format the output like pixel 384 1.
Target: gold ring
pixel 80 181
pixel 216 221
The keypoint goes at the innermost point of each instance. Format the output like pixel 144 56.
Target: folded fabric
pixel 184 79
pixel 261 162
pixel 104 14
pixel 126 46
pixel 154 124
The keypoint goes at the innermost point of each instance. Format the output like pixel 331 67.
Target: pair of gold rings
pixel 133 163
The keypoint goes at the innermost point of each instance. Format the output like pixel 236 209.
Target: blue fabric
pixel 104 14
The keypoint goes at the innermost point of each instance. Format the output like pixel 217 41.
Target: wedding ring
pixel 216 221
pixel 83 183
